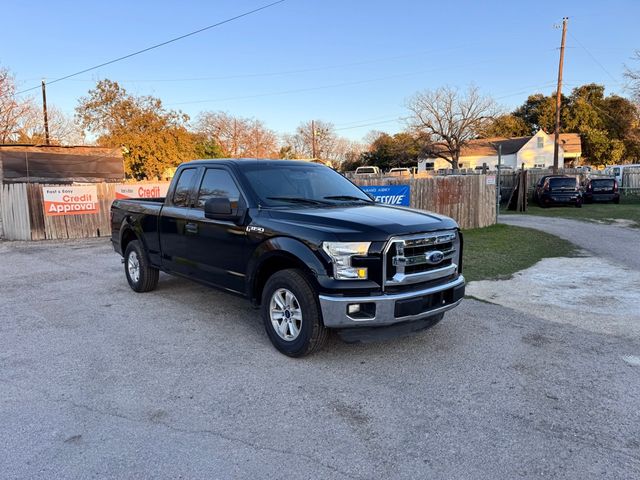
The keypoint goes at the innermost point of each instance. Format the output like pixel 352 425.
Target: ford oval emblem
pixel 435 257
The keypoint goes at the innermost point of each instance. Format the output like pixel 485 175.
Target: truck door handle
pixel 191 228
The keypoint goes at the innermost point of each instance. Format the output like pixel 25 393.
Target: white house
pixel 533 152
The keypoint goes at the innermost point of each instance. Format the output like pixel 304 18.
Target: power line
pixel 287 72
pixel 334 85
pixel 124 57
pixel 367 124
pixel 525 90
pixel 594 59
pixel 370 119
pixel 282 72
pixel 382 119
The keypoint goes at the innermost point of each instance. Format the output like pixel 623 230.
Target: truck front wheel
pixel 291 314
pixel 141 276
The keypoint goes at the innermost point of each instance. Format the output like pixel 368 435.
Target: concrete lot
pixel 98 381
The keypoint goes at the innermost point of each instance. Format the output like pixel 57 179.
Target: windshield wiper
pixel 347 198
pixel 308 201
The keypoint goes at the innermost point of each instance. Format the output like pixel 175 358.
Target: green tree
pixel 506 126
pixel 400 150
pixel 539 112
pixel 609 127
pixel 206 148
pixel 152 138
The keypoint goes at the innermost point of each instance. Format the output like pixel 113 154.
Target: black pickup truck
pixel 302 243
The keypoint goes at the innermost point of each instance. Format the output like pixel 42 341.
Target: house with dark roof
pixel 533 151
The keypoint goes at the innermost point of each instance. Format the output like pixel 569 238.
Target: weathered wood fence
pixel 23 218
pixel 631 181
pixel 469 199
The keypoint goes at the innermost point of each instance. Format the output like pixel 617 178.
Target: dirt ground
pixel 97 381
pixel 587 292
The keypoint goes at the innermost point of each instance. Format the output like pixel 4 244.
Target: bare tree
pixel 450 118
pixel 63 130
pixel 633 78
pixel 12 110
pixel 312 137
pixel 238 137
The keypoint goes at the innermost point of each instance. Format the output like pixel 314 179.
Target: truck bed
pixel 144 212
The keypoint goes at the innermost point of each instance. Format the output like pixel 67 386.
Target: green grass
pixel 498 251
pixel 628 209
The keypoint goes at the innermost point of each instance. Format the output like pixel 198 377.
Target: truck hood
pixel 373 222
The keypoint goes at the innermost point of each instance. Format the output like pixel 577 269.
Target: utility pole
pixel 313 139
pixel 498 180
pixel 556 141
pixel 44 110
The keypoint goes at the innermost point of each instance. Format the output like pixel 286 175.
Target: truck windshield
pixel 279 185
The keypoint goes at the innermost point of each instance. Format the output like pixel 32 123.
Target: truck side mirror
pixel 219 208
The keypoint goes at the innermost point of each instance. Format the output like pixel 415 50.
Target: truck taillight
pixel 615 185
pixel 546 186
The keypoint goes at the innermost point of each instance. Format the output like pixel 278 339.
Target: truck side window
pixel 183 187
pixel 218 183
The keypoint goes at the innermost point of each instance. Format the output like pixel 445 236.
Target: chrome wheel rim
pixel 133 267
pixel 286 314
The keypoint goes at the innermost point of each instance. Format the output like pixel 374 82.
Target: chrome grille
pixel 420 258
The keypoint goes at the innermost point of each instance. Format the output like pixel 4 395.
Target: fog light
pixel 353 308
pixel 361 311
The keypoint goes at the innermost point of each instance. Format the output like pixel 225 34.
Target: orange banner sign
pixel 141 190
pixel 70 200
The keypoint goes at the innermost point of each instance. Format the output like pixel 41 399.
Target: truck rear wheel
pixel 141 276
pixel 291 314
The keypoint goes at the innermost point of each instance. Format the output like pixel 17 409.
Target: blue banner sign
pixel 389 194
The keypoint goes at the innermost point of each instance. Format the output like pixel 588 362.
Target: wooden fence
pixel 23 218
pixel 14 212
pixel 631 181
pixel 469 199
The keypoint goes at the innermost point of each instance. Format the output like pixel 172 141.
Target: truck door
pixel 172 225
pixel 217 248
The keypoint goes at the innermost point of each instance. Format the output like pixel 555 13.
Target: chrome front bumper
pixel 334 308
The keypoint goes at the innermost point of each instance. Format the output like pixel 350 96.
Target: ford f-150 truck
pixel 302 243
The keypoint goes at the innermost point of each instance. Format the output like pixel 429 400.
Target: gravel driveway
pixel 98 381
pixel 620 244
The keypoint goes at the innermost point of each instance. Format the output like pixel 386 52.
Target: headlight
pixel 341 254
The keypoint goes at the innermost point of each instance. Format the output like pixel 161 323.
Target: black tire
pixel 579 204
pixel 312 333
pixel 616 201
pixel 147 275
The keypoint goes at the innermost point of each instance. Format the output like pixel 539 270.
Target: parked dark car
pixel 302 243
pixel 557 190
pixel 601 190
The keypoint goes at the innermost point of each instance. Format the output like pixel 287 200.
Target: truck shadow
pixel 232 317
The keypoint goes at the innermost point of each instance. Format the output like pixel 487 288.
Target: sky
pixel 353 63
